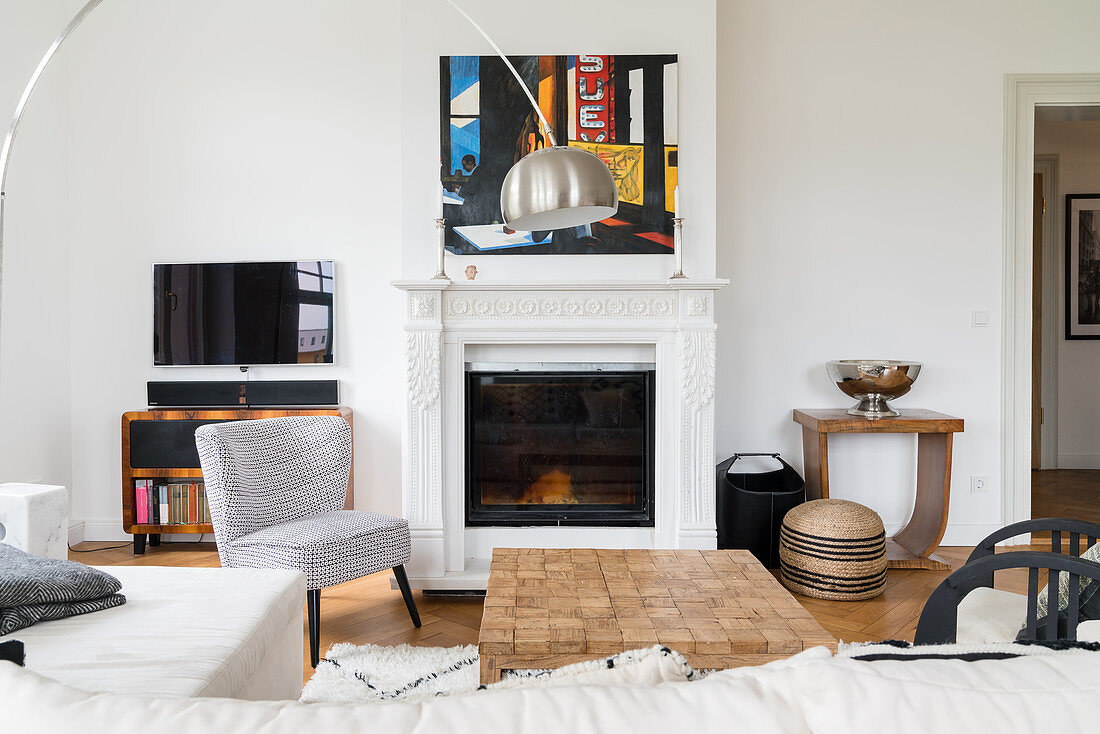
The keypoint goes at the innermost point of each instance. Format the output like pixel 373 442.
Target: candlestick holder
pixel 677 246
pixel 441 227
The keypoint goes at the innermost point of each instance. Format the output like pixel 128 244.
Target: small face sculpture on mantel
pixel 471 272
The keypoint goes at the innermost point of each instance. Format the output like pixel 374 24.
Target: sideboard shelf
pixel 170 450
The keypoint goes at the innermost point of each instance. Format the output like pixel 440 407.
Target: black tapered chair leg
pixel 313 606
pixel 406 593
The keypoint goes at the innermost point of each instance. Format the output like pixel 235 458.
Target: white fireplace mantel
pixel 447 322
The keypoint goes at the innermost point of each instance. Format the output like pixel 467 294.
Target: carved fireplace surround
pixel 450 324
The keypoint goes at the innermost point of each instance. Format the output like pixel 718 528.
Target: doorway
pixel 1066 481
pixel 1033 335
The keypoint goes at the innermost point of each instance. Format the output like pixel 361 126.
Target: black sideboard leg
pixel 139 543
pixel 154 539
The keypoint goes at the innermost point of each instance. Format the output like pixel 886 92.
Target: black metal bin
pixel 753 495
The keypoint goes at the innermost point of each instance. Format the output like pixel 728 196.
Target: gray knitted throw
pixel 34 589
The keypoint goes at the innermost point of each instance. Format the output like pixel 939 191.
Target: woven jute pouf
pixel 833 549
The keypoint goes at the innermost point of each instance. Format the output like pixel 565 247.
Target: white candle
pixel 439 209
pixel 676 201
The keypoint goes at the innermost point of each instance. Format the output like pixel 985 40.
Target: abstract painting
pixel 621 108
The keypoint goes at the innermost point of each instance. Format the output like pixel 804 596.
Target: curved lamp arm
pixel 9 139
pixel 522 84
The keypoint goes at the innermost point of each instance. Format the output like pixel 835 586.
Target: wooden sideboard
pixel 138 447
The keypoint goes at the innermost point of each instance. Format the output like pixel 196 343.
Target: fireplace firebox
pixel 559 444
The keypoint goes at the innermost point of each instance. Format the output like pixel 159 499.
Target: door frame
pixel 1052 258
pixel 1023 93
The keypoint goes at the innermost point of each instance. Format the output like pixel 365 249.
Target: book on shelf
pixel 170 503
pixel 141 502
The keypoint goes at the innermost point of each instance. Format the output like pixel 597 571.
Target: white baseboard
pixel 1079 461
pixel 76 533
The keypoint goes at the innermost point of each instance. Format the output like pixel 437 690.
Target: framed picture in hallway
pixel 622 108
pixel 1083 266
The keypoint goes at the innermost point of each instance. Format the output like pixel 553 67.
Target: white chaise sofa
pixel 211 632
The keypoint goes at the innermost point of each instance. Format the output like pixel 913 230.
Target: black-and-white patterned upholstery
pixel 276 488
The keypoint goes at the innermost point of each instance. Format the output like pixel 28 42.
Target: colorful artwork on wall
pixel 620 108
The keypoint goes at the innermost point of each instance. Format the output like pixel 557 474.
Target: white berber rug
pixel 364 673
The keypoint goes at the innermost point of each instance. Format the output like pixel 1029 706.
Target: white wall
pixel 34 331
pixel 1077 145
pixel 858 150
pixel 860 170
pixel 207 130
pixel 431 29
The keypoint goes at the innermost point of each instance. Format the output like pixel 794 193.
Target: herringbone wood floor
pixel 367 610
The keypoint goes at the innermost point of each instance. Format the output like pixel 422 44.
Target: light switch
pixel 979 317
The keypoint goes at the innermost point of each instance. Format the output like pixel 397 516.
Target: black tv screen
pixel 251 313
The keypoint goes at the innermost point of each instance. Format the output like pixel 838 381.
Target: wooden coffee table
pixel 547 608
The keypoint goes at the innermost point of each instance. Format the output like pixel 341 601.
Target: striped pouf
pixel 833 549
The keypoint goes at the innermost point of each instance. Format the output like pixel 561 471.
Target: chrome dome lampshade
pixel 556 188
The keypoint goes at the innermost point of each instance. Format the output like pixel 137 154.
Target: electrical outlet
pixel 979 485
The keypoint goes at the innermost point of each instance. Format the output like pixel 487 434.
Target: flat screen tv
pixel 245 313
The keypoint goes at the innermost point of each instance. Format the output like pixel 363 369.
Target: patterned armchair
pixel 276 491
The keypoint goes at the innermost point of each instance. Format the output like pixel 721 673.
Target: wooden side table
pixel 914 545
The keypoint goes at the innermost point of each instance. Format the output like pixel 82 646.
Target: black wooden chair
pixel 939 620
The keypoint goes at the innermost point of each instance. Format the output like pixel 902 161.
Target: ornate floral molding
pixel 422 306
pixel 559 305
pixel 697 351
pixel 696 305
pixel 423 351
pixel 697 356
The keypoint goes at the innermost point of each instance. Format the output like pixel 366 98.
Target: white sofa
pixel 811 692
pixel 212 632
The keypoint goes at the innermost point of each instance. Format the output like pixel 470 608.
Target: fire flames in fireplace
pixel 555 487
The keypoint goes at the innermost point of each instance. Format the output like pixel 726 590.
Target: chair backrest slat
pixel 1075 543
pixel 1072 610
pixel 1032 603
pixel 1056 541
pixel 1050 629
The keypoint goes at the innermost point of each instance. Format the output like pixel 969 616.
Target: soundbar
pixel 238 394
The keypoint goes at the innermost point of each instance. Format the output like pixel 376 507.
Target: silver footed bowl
pixel 872 382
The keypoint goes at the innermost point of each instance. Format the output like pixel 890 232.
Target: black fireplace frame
pixel 640 515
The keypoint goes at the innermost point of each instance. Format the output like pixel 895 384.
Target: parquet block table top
pixel 545 608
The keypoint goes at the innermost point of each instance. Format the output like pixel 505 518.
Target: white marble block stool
pixel 35 518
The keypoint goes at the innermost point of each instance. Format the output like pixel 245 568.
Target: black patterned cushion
pixel 35 589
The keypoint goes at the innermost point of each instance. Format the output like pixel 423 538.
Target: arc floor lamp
pixel 550 188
